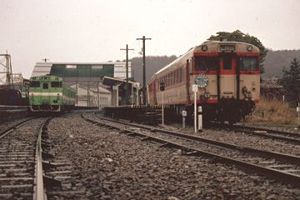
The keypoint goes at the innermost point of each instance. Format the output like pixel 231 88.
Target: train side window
pixel 45 86
pixel 34 84
pixel 227 62
pixel 248 63
pixel 206 63
pixel 56 84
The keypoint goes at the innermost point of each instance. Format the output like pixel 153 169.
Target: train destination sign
pixel 227 48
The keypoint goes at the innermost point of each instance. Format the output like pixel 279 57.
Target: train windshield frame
pixel 35 84
pixel 211 63
pixel 248 63
pixel 56 84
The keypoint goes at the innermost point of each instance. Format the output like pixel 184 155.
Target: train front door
pixel 227 76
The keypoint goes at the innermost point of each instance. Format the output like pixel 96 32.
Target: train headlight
pixel 206 95
pixel 204 47
pixel 249 48
pixel 201 81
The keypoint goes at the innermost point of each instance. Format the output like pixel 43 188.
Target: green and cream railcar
pixel 49 94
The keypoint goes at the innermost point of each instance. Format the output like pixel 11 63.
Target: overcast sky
pixel 95 30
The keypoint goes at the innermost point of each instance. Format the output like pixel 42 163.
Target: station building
pixel 88 81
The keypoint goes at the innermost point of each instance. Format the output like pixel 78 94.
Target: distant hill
pixel 274 63
pixel 153 64
pixel 276 60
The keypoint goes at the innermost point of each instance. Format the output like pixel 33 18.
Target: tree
pixel 291 82
pixel 242 37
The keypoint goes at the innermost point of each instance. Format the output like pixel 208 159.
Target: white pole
pixel 200 119
pixel 137 96
pixel 117 96
pixel 195 111
pixel 162 109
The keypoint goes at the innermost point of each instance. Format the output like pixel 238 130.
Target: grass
pixel 273 112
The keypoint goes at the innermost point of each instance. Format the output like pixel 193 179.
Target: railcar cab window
pixel 34 84
pixel 206 63
pixel 227 62
pixel 45 86
pixel 56 84
pixel 248 63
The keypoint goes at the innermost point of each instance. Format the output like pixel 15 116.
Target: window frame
pixel 43 86
pixel 212 63
pixel 35 86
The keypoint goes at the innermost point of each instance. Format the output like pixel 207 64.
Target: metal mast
pixel 144 70
pixel 127 86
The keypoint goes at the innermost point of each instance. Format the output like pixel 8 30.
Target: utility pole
pixel 127 87
pixel 144 69
pixel 6 64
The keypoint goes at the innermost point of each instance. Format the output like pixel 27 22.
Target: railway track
pixel 11 128
pixel 28 169
pixel 20 168
pixel 285 136
pixel 282 167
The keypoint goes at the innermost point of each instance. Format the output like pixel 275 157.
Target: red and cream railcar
pixel 229 71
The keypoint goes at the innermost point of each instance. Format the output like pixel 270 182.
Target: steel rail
pixel 39 192
pixel 10 129
pixel 273 173
pixel 263 132
pixel 285 157
pixel 287 133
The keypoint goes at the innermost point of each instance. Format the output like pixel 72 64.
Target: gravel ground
pixel 17 161
pixel 116 166
pixel 252 141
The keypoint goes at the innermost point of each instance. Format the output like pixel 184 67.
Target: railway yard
pixel 85 155
pixel 146 100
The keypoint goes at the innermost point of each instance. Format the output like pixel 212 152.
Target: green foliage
pixel 291 81
pixel 242 37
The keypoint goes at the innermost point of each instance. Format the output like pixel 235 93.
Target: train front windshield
pixel 56 84
pixel 248 64
pixel 213 63
pixel 35 84
pixel 206 63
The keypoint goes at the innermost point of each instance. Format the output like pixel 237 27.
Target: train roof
pixel 217 47
pixel 226 46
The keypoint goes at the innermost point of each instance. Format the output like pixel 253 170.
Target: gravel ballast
pixel 112 165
